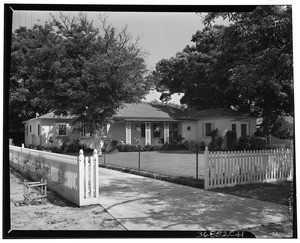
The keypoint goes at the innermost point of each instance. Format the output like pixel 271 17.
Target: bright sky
pixel 163 34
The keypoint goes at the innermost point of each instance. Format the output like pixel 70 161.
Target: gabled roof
pixel 51 115
pixel 149 111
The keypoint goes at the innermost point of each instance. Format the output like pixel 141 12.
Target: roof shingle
pixel 143 110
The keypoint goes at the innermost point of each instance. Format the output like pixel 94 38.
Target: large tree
pixel 22 94
pixel 74 68
pixel 248 65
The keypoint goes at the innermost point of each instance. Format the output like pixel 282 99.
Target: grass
pixel 174 164
pixel 280 192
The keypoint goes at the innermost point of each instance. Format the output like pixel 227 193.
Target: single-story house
pixel 151 123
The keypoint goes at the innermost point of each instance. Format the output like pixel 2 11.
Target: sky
pixel 163 34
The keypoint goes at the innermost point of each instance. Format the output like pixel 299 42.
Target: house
pixel 150 123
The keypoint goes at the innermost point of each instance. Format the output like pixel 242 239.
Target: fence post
pixel 96 160
pixel 290 162
pixel 206 168
pixel 197 165
pixel 80 175
pixel 139 161
pixel 22 157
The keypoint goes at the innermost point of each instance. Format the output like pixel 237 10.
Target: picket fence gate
pixel 75 178
pixel 224 169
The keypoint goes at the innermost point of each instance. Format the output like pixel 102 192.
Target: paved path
pixel 141 203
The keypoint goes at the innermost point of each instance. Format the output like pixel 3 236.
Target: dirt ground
pixel 56 214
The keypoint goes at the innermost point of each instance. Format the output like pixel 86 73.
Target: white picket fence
pixel 224 169
pixel 73 177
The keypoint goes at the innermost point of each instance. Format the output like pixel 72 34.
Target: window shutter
pixel 203 129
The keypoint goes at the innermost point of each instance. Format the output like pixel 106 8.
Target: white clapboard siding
pixel 223 169
pixel 73 177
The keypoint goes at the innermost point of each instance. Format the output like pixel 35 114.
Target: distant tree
pixel 247 65
pixel 190 72
pixel 71 67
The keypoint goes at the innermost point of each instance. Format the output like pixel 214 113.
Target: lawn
pixel 171 163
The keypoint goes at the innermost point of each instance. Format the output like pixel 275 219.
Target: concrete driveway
pixel 141 203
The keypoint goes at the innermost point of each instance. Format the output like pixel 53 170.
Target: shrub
pixel 135 148
pixel 152 147
pixel 258 143
pixel 174 146
pixel 283 129
pixel 243 143
pixel 56 150
pixel 42 148
pixel 74 147
pixel 87 150
pixel 30 146
pixel 216 141
pixel 114 145
pixel 126 148
pixel 195 145
pixel 231 140
pixel 259 133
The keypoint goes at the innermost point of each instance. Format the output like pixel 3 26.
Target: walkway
pixel 141 203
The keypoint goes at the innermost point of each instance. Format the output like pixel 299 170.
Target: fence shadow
pixel 57 200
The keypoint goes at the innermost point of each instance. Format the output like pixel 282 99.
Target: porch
pixel 147 132
pixel 151 132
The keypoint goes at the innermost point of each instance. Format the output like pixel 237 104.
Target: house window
pixel 156 130
pixel 84 131
pixel 207 129
pixel 62 130
pixel 39 127
pixel 233 127
pixel 243 130
pixel 143 130
pixel 30 128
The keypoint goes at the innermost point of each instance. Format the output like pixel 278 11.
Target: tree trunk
pixel 266 129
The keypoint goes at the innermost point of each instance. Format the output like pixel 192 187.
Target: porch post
pixel 148 133
pixel 166 132
pixel 128 132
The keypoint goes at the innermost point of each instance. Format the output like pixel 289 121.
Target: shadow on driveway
pixel 141 203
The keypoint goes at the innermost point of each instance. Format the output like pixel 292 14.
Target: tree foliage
pixel 248 65
pixel 283 129
pixel 74 68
